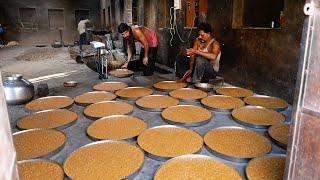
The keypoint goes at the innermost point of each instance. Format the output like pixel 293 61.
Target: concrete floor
pixel 63 68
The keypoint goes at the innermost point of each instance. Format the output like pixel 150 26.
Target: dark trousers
pixel 83 39
pixel 1 39
pixel 182 65
pixel 152 57
pixel 202 71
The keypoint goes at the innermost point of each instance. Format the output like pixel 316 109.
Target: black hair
pixel 123 27
pixel 205 27
pixel 81 19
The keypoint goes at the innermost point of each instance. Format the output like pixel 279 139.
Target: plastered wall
pixel 43 29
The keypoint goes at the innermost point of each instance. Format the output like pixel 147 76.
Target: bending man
pixel 149 40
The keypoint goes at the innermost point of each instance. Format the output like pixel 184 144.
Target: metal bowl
pixel 204 86
pixel 70 83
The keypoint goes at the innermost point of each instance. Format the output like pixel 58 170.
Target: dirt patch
pixel 36 54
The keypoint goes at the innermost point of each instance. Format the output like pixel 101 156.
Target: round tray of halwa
pixel 156 102
pixel 104 160
pixel 167 141
pixel 168 85
pixel 133 93
pixel 48 119
pixel 234 92
pixel 38 169
pixel 93 97
pixel 279 134
pixel 116 127
pixel 267 102
pixel 221 103
pixel 186 115
pixel 236 144
pixel 269 166
pixel 107 108
pixel 50 102
pixel 121 73
pixel 109 86
pixel 36 143
pixel 196 167
pixel 188 94
pixel 257 117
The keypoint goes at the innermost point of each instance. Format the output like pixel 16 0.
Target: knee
pixel 199 62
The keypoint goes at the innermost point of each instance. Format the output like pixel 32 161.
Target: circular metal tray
pixel 131 98
pixel 95 118
pixel 152 109
pixel 109 83
pixel 167 90
pixel 227 157
pixel 49 154
pixel 266 155
pixel 204 86
pixel 161 158
pixel 87 104
pixel 250 124
pixel 129 177
pixel 121 75
pixel 278 143
pixel 56 128
pixel 187 100
pixel 48 97
pixel 194 156
pixel 186 124
pixel 264 96
pixel 130 139
pixel 48 160
pixel 217 109
pixel 231 88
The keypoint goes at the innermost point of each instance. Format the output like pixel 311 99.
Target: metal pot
pixel 18 90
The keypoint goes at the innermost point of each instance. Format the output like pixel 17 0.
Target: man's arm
pixel 192 57
pixel 129 56
pixel 212 54
pixel 143 39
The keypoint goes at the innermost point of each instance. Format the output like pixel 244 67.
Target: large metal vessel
pixel 18 90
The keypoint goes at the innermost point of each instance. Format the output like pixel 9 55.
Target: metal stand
pixel 99 46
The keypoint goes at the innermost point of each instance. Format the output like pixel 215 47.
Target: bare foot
pixel 189 79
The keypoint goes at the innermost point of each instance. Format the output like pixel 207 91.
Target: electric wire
pixel 174 27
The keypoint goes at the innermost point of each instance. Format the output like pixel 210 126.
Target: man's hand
pixel 191 51
pixel 145 61
pixel 188 73
pixel 125 66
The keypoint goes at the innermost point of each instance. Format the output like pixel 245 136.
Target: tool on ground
pixel 182 79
